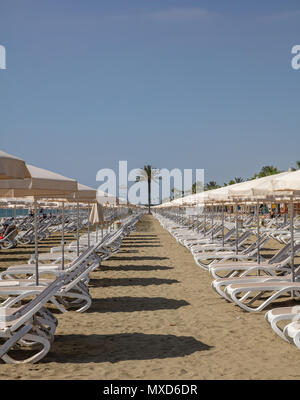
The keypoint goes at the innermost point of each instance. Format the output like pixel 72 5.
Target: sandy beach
pixel 154 316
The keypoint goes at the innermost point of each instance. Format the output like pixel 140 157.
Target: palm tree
pixel 211 185
pixel 233 181
pixel 266 171
pixel 197 187
pixel 238 180
pixel 149 174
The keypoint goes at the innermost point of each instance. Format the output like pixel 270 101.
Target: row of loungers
pixel 26 323
pixel 20 231
pixel 240 277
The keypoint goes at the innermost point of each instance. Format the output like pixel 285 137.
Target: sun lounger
pixel 220 284
pixel 292 333
pixel 277 264
pixel 246 295
pixel 277 315
pixel 29 326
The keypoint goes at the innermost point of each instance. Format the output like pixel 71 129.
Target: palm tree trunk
pixel 149 195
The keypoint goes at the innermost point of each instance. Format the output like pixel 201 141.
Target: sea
pixel 11 212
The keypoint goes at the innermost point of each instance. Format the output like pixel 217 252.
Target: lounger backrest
pixel 71 275
pixel 252 249
pixel 114 237
pixel 84 256
pixel 285 256
pixel 260 241
pixel 296 249
pixel 243 237
pixel 217 229
pixel 281 255
pixel 78 275
pixel 11 235
pixel 200 226
pixel 212 229
pixel 229 233
pixel 28 310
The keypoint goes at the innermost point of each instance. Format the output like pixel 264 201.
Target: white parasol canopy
pixel 12 167
pixel 255 188
pixel 43 183
pixel 96 216
pixel 287 182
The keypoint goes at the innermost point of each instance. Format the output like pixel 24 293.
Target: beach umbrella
pixel 199 200
pixel 109 201
pixel 285 184
pixel 248 191
pixel 88 213
pixel 87 195
pixel 251 189
pixel 83 194
pixel 12 167
pixel 221 195
pixel 223 243
pixel 96 217
pixel 222 198
pixel 42 183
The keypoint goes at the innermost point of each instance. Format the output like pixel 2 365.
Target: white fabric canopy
pixel 12 167
pixel 288 182
pixel 84 194
pixel 254 188
pixel 223 194
pixel 42 183
pixel 96 216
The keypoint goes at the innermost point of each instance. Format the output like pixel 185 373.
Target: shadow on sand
pixel 144 236
pixel 138 258
pixel 107 282
pixel 121 347
pixel 135 268
pixel 132 304
pixel 125 245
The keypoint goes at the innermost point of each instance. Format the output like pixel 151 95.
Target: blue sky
pixel 176 84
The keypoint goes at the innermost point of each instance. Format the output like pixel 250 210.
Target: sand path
pixel 154 316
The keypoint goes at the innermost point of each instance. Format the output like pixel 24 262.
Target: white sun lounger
pixel 277 315
pixel 246 295
pixel 27 326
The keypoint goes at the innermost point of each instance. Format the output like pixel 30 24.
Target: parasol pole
pixel 212 224
pixel 36 252
pixel 223 224
pixel 88 224
pixel 204 221
pixel 102 224
pixel 258 232
pixel 236 230
pixel 77 228
pixel 292 239
pixel 63 237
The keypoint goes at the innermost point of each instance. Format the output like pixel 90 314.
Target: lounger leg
pixel 36 357
pixel 276 329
